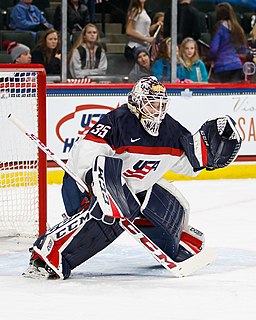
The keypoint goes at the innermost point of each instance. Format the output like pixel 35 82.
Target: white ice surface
pixel 125 282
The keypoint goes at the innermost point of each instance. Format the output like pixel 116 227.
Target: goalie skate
pixel 38 269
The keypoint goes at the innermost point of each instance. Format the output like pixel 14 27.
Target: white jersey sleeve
pixel 83 155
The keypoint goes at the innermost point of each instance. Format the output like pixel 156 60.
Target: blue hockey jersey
pixel 146 158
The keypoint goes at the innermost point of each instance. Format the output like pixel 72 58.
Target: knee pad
pixel 169 187
pixel 164 209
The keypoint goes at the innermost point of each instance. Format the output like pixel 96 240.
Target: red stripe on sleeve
pixel 94 138
pixel 204 152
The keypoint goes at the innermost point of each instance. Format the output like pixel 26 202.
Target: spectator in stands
pixel 91 7
pixel 157 28
pixel 162 66
pixel 48 52
pixel 251 54
pixel 87 56
pixel 229 39
pixel 190 66
pixel 138 28
pixel 77 16
pixel 19 53
pixel 251 42
pixel 188 21
pixel 142 66
pixel 27 17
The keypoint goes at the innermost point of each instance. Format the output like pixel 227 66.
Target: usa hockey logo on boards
pixel 83 118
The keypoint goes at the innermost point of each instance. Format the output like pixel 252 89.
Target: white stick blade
pixel 195 263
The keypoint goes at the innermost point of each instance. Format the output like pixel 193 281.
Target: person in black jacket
pixel 188 21
pixel 78 16
pixel 47 52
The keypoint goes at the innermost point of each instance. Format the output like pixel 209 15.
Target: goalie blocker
pixel 81 236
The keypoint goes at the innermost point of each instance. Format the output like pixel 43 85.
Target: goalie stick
pixel 179 269
pixel 46 150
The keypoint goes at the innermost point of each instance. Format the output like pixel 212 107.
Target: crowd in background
pixel 148 48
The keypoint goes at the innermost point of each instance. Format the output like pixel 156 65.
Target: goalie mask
pixel 148 101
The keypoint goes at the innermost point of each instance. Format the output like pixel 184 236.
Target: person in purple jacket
pixel 227 45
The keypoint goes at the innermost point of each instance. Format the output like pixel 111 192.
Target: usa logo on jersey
pixel 141 169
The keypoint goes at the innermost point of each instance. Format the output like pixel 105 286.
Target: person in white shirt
pixel 138 28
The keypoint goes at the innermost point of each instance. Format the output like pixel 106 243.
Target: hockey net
pixel 22 165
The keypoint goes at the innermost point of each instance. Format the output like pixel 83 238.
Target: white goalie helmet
pixel 148 101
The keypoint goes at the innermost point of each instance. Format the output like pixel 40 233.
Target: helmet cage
pixel 150 106
pixel 153 110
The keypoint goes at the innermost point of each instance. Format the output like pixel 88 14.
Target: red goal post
pixel 23 166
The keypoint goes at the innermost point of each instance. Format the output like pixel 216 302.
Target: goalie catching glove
pixel 216 144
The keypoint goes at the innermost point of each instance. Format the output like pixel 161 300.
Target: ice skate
pixel 38 269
